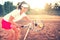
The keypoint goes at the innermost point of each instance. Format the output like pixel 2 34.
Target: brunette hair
pixel 20 4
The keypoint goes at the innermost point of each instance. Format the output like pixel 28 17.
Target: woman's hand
pixel 16 25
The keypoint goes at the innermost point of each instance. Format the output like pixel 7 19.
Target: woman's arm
pixel 27 18
pixel 11 21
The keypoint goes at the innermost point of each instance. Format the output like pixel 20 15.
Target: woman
pixel 9 20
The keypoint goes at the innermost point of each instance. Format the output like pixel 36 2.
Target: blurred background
pixel 37 7
pixel 46 10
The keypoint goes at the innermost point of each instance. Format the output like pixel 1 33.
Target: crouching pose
pixel 9 20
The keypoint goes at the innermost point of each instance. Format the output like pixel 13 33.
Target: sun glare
pixel 35 3
pixel 40 3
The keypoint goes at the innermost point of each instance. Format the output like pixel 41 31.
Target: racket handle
pixel 35 24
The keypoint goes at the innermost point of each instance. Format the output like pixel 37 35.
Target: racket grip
pixel 35 24
pixel 22 26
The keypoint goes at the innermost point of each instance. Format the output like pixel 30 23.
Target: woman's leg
pixel 8 34
pixel 11 34
pixel 17 32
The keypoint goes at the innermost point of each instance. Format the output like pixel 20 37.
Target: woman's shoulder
pixel 15 11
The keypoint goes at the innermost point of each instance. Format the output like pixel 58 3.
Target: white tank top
pixel 16 14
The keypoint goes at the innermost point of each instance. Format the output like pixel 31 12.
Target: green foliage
pixel 1 10
pixel 6 8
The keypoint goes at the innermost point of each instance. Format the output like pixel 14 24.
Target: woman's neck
pixel 21 12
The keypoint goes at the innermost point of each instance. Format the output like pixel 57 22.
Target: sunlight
pixel 34 3
pixel 37 4
pixel 40 3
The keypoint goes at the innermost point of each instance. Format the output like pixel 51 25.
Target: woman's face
pixel 24 9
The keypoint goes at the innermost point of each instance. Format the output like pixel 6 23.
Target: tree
pixel 48 6
pixel 56 7
pixel 1 10
pixel 8 7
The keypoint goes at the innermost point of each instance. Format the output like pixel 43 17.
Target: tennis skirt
pixel 5 24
